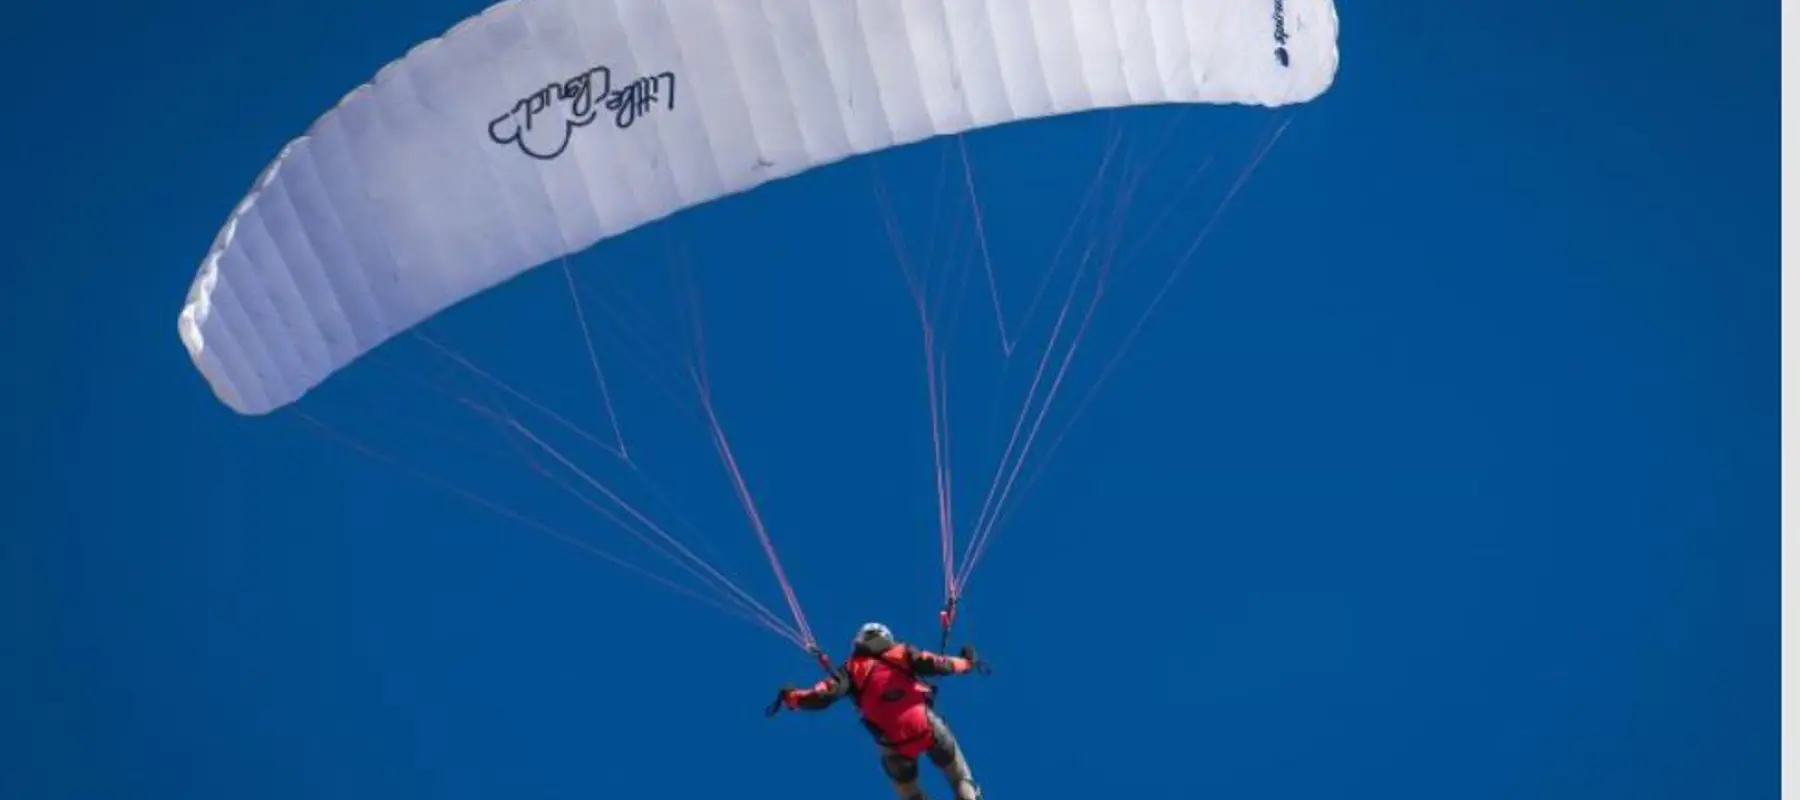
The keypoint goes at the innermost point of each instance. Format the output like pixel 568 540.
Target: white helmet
pixel 872 630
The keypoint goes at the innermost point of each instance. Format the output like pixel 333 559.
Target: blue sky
pixel 1449 468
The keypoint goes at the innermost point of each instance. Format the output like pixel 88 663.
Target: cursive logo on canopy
pixel 543 122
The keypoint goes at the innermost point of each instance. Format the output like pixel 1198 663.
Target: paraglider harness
pixel 946 619
pixel 856 691
pixel 891 695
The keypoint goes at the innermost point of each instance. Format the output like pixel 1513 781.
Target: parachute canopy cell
pixel 540 127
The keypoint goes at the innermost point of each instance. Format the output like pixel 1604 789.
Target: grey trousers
pixel 945 753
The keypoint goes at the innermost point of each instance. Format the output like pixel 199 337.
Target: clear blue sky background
pixel 1449 470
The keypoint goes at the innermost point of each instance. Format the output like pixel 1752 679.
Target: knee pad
pixel 942 756
pixel 900 769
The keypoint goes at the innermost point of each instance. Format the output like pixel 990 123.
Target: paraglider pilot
pixel 883 676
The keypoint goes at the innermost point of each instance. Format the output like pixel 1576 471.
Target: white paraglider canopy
pixel 540 127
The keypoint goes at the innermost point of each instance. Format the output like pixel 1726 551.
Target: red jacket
pixel 890 697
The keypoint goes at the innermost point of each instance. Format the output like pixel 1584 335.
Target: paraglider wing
pixel 540 127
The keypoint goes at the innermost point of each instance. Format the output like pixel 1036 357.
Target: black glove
pixel 968 654
pixel 780 700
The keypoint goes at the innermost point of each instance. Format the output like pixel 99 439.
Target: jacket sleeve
pixel 925 662
pixel 822 694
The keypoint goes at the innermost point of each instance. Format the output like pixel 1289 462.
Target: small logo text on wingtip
pixel 1281 32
